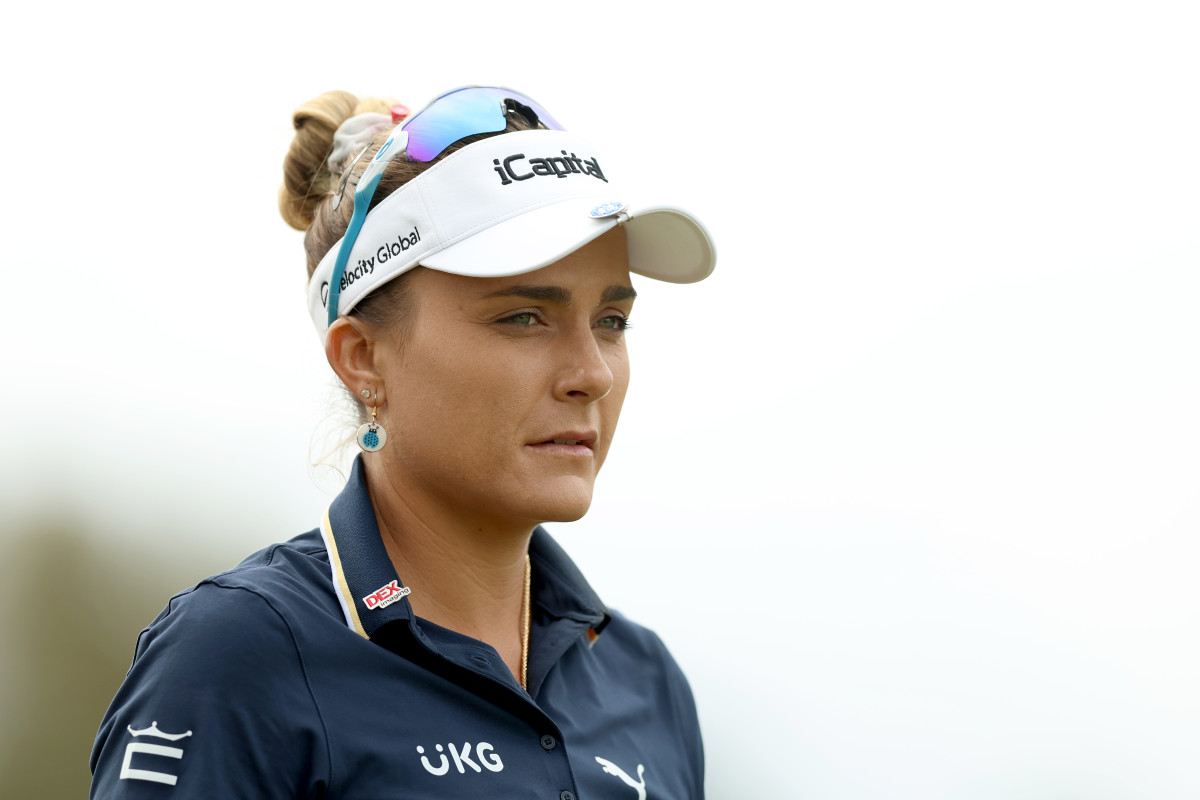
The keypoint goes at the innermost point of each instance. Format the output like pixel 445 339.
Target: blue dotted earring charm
pixel 371 435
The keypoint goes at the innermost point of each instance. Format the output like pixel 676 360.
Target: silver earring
pixel 371 435
pixel 366 393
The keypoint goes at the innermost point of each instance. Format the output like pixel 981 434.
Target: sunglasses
pixel 452 116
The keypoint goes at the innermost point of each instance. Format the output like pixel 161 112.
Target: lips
pixel 587 438
pixel 567 442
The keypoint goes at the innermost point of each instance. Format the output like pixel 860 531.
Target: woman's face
pixel 503 397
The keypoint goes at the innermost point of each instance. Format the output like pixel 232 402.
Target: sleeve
pixel 686 720
pixel 669 720
pixel 216 704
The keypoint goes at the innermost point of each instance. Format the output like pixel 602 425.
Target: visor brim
pixel 664 242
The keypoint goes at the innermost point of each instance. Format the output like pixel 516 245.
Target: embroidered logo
pixel 384 596
pixel 128 772
pixel 612 769
pixel 488 758
pixel 511 169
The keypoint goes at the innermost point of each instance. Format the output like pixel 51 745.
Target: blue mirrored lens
pixel 462 113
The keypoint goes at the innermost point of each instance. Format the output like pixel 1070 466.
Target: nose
pixel 584 374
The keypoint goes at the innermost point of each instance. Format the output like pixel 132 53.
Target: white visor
pixel 508 205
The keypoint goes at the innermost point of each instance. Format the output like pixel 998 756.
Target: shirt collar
pixel 372 595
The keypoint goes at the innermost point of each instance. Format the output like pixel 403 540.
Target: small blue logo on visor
pixel 610 209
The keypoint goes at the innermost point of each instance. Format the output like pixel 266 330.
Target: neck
pixel 465 575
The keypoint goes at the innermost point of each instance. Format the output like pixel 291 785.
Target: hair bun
pixel 306 177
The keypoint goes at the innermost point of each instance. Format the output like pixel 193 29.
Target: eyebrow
pixel 561 296
pixel 615 294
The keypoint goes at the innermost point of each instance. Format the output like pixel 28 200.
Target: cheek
pixel 618 362
pixel 620 386
pixel 461 397
pixel 613 402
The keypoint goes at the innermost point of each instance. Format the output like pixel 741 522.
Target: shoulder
pixel 638 663
pixel 282 571
pixel 638 645
pixel 220 659
pixel 264 592
pixel 246 624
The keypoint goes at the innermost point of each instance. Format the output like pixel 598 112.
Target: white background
pixel 909 486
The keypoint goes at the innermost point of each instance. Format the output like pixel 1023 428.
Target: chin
pixel 567 504
pixel 566 516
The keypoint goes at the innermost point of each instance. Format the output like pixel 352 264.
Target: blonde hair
pixel 305 198
pixel 307 180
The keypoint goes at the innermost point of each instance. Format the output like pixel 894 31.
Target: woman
pixel 429 639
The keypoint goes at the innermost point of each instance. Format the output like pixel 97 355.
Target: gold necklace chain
pixel 526 602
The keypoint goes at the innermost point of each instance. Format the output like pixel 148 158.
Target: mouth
pixel 570 443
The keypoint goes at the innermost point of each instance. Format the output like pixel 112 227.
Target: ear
pixel 350 348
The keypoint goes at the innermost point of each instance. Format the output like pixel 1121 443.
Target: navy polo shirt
pixel 303 673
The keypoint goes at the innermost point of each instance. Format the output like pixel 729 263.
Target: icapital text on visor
pixel 570 165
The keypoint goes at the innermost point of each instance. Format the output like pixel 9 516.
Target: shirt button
pixel 549 742
pixel 566 796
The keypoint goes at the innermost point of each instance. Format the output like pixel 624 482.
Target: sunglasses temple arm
pixel 367 184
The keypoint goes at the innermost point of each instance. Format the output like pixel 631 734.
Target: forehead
pixel 588 275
